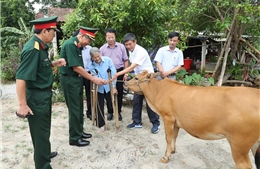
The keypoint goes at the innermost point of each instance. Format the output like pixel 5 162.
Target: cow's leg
pixel 256 153
pixel 168 126
pixel 175 134
pixel 240 155
pixel 257 158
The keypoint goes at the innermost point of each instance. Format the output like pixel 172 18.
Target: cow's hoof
pixel 173 151
pixel 164 160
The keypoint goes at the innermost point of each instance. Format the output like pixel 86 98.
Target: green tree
pixel 12 10
pixel 233 18
pixel 21 35
pixel 12 44
pixel 14 37
pixel 147 19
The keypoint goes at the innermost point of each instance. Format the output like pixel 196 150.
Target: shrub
pixel 9 65
pixel 58 95
pixel 195 79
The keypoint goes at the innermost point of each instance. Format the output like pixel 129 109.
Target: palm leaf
pixel 23 27
pixel 11 30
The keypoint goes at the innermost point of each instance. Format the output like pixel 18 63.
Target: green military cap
pixel 45 23
pixel 90 32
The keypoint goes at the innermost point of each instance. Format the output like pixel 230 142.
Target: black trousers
pixel 100 107
pixel 120 88
pixel 86 84
pixel 137 111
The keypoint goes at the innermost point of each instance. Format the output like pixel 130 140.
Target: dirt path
pixel 120 149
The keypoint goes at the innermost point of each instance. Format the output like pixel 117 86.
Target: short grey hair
pixel 94 50
pixel 128 37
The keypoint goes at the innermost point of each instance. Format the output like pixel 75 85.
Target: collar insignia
pixel 42 46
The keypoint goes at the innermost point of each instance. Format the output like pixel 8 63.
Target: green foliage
pixel 236 71
pixel 196 79
pixel 215 16
pixel 180 74
pixel 13 37
pixel 9 65
pixel 12 10
pixel 58 95
pixel 147 19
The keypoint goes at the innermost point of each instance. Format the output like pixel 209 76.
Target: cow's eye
pixel 136 78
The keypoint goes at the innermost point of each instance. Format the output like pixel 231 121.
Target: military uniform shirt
pixel 35 66
pixel 71 52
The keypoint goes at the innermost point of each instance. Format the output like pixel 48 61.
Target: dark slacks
pixel 137 111
pixel 40 124
pixel 86 84
pixel 100 107
pixel 73 92
pixel 120 88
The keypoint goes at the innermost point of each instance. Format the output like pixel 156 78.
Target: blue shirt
pixel 169 59
pixel 100 70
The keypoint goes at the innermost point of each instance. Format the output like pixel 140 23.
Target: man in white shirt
pixel 140 61
pixel 169 59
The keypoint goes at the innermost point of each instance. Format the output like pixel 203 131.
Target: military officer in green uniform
pixel 71 82
pixel 34 80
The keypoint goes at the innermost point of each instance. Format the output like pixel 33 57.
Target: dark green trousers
pixel 40 124
pixel 73 92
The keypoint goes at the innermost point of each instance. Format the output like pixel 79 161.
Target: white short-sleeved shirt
pixel 141 57
pixel 169 59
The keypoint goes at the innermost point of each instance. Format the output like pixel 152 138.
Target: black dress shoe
pixel 109 117
pixel 54 154
pixel 86 135
pixel 120 117
pixel 79 143
pixel 89 116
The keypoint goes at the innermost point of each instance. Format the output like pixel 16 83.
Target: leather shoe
pixel 86 135
pixel 79 143
pixel 109 117
pixel 53 154
pixel 120 117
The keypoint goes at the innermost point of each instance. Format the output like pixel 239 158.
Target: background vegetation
pixel 149 20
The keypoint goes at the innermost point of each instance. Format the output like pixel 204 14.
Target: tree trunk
pixel 227 46
pixel 251 47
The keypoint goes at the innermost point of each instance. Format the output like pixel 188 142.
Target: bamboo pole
pixel 113 99
pixel 93 97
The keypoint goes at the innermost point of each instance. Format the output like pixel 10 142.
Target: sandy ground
pixel 112 149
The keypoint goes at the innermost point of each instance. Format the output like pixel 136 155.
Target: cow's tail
pixel 257 158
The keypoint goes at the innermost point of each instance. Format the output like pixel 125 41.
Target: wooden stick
pixel 113 99
pixel 93 97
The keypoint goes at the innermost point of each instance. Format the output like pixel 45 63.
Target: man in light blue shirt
pixel 99 67
pixel 86 83
pixel 169 59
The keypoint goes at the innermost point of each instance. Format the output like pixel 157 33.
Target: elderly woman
pixel 99 66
